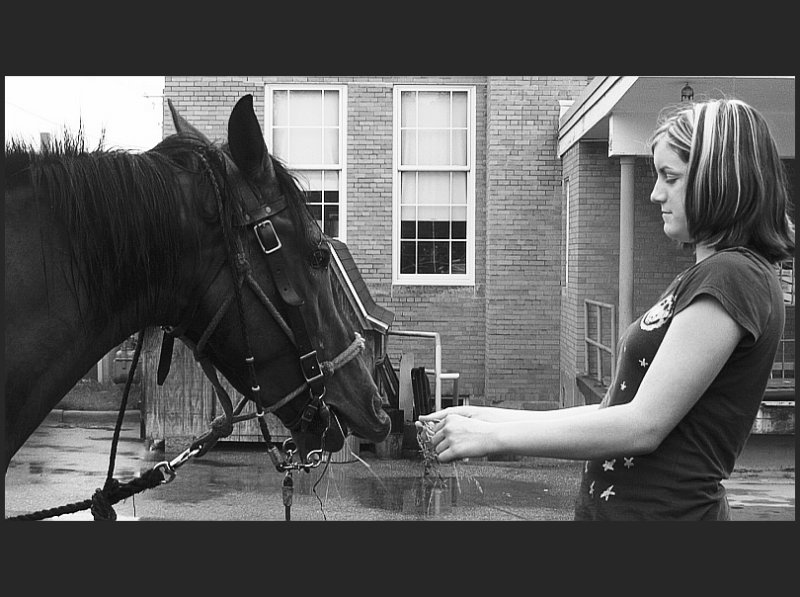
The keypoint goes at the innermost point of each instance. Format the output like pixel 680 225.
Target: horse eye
pixel 320 258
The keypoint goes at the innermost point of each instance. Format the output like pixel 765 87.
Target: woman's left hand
pixel 456 437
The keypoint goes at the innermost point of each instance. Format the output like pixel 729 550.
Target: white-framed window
pixel 305 129
pixel 433 216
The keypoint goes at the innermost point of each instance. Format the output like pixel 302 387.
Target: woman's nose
pixel 656 196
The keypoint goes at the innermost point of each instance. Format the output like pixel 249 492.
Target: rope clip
pixel 169 469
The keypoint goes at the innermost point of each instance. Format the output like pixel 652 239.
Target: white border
pixel 467 279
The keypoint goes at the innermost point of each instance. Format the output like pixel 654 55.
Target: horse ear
pixel 181 125
pixel 246 141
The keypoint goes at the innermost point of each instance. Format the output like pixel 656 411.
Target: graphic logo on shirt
pixel 659 313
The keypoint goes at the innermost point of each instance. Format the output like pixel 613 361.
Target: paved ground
pixel 67 459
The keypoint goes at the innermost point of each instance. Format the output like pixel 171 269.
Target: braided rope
pixel 102 498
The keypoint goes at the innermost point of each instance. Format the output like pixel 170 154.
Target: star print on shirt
pixel 643 362
pixel 608 493
pixel 623 385
pixel 628 461
pixel 608 465
pixel 591 489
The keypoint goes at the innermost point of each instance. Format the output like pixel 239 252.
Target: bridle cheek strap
pixel 260 220
pixel 310 366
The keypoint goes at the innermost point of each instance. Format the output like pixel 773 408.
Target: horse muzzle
pixel 326 433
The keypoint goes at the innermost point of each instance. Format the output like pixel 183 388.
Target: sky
pixel 129 108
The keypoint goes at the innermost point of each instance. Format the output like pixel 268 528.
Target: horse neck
pixel 56 328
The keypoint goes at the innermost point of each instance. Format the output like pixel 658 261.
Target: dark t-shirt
pixel 681 479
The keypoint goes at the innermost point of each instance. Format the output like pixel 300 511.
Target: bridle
pixel 315 413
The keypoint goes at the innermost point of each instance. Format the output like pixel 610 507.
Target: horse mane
pixel 123 211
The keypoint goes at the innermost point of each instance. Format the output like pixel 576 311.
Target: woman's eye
pixel 320 258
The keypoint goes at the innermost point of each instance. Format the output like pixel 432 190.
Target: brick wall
pixel 457 313
pixel 593 252
pixel 524 239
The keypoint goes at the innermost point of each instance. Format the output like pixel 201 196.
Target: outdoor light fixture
pixel 687 93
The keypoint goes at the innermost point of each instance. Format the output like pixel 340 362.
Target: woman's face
pixel 669 192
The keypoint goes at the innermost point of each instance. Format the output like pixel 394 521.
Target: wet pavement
pixel 65 461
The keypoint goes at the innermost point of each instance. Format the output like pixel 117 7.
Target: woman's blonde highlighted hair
pixel 736 188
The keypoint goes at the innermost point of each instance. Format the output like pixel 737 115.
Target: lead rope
pixel 164 472
pixel 101 506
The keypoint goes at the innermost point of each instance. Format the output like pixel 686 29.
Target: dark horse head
pixel 212 240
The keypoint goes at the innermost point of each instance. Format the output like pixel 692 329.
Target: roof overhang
pixel 623 111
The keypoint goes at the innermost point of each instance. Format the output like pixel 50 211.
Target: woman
pixel 692 370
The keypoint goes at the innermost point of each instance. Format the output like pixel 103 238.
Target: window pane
pixel 310 179
pixel 425 261
pixel 316 212
pixel 408 213
pixel 459 230
pixel 408 148
pixel 459 148
pixel 331 99
pixel 408 188
pixel 305 108
pixel 441 257
pixel 304 146
pixel 280 140
pixel 331 227
pixel 441 229
pixel 437 213
pixel 330 197
pixel 434 147
pixel 459 109
pixel 280 108
pixel 408 108
pixel 434 108
pixel 459 192
pixel 434 187
pixel 425 229
pixel 331 149
pixel 331 180
pixel 408 258
pixel 459 262
pixel 408 229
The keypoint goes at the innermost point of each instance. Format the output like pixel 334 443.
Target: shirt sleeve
pixel 738 282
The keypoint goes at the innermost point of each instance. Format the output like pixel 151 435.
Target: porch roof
pixel 623 110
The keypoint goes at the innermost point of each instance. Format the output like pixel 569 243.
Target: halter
pixel 259 219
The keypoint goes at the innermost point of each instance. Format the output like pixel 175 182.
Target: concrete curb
pixel 91 417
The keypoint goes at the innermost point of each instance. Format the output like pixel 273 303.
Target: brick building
pixel 489 209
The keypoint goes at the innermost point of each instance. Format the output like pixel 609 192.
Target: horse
pixel 212 241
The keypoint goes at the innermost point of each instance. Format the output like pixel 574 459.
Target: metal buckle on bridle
pixel 311 368
pixel 272 239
